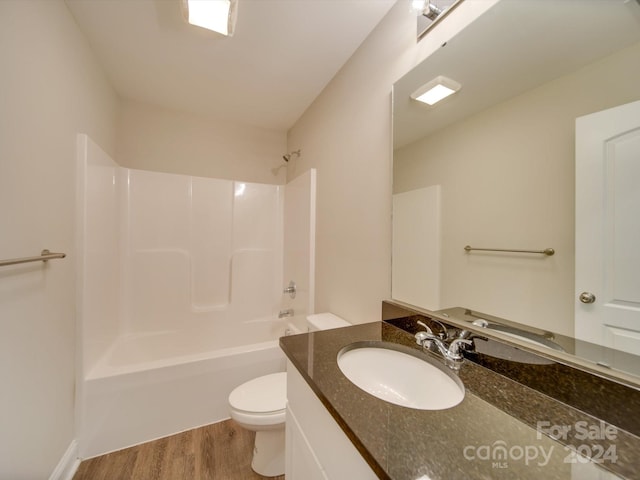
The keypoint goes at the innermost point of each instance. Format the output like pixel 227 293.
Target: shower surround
pixel 180 284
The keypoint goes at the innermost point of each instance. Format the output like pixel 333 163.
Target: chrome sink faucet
pixel 451 353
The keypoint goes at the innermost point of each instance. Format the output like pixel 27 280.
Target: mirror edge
pixel 564 358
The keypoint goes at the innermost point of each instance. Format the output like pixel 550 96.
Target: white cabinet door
pixel 608 228
pixel 301 462
pixel 316 447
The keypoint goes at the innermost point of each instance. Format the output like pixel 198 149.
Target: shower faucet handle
pixel 291 289
pixel 286 313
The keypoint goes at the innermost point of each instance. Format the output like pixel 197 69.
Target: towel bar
pixel 546 251
pixel 43 257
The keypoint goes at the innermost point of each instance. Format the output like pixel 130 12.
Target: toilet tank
pixel 325 321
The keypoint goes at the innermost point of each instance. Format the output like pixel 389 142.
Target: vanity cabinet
pixel 316 447
pixel 335 431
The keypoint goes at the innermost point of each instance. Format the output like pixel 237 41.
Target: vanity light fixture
pixel 428 9
pixel 217 15
pixel 431 11
pixel 435 90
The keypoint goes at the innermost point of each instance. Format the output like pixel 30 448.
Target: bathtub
pixel 149 386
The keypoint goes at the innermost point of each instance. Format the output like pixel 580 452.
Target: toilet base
pixel 268 453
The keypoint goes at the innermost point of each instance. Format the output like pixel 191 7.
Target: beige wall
pixel 51 88
pixel 346 135
pixel 154 138
pixel 507 177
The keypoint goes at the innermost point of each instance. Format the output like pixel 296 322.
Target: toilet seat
pixel 261 401
pixel 259 421
pixel 261 395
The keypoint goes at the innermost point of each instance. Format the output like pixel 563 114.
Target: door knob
pixel 587 297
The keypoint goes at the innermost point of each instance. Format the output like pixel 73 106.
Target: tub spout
pixel 286 313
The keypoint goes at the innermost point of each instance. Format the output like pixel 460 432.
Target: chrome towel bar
pixel 43 257
pixel 546 251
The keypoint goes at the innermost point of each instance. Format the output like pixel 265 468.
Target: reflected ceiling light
pixel 239 190
pixel 435 90
pixel 217 15
pixel 417 5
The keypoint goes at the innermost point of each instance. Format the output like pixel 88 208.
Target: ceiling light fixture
pixel 217 15
pixel 436 90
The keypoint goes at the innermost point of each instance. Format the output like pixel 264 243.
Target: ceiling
pixel 283 53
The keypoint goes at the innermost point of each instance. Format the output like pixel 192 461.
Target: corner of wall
pixel 68 465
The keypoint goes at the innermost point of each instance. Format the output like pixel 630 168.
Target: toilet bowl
pixel 259 405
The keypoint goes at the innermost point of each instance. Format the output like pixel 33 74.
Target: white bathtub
pixel 151 386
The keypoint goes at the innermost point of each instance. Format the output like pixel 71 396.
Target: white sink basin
pixel 400 375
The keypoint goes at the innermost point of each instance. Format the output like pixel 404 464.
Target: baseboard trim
pixel 68 464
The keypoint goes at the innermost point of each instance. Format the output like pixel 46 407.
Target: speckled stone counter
pixel 481 438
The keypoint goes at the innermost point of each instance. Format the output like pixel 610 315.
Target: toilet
pixel 259 405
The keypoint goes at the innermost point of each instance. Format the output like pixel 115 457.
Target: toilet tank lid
pixel 261 395
pixel 325 321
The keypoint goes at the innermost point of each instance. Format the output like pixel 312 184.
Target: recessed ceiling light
pixel 435 90
pixel 217 15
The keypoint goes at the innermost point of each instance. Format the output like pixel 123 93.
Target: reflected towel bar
pixel 43 257
pixel 546 251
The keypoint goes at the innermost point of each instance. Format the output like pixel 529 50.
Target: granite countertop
pixel 463 442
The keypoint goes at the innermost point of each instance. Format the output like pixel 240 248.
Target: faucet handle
pixel 443 335
pixel 480 322
pixel 456 345
pixel 422 337
pixel 291 289
pixel 422 324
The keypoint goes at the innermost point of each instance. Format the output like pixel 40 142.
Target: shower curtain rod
pixel 43 257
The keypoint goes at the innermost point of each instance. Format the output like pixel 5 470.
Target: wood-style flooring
pixel 221 451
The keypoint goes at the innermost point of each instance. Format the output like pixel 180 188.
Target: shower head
pixel 287 156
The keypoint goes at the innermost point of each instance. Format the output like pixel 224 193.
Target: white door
pixel 608 228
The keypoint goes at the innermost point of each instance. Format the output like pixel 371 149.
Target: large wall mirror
pixel 507 163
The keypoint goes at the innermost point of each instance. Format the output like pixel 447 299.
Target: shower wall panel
pixel 211 243
pixel 98 263
pixel 200 250
pixel 157 254
pixel 299 244
pixel 257 250
pixel 163 253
